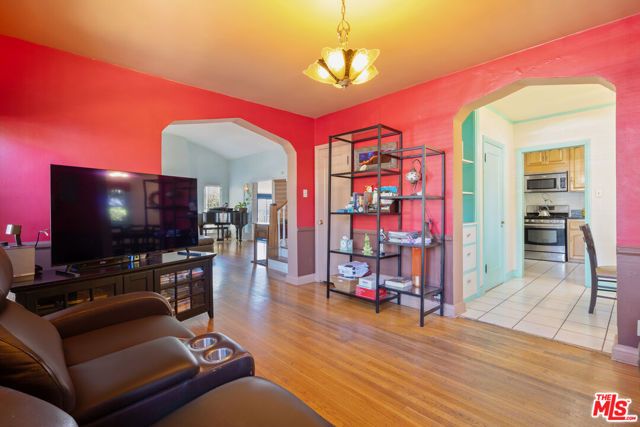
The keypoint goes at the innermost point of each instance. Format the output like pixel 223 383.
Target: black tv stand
pixel 184 280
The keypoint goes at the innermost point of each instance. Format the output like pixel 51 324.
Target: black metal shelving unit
pixel 382 134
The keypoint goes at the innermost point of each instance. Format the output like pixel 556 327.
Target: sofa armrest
pixel 20 409
pixel 98 314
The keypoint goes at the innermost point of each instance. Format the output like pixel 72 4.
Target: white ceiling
pixel 256 49
pixel 538 101
pixel 225 139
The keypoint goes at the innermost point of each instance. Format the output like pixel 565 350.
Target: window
pixel 211 196
pixel 265 199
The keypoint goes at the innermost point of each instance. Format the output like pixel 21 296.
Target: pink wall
pixel 56 107
pixel 425 114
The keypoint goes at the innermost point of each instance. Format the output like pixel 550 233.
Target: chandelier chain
pixel 343 27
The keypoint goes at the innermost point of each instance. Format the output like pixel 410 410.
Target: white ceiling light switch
pixel 598 193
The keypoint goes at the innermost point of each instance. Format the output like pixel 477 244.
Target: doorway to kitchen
pixel 559 152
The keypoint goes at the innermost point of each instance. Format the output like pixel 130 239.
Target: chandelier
pixel 343 66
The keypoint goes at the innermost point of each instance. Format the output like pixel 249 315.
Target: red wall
pixel 425 114
pixel 56 107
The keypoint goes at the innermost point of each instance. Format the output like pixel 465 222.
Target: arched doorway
pixel 463 225
pixel 291 168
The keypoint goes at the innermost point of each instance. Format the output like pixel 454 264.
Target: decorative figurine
pixel 366 249
pixel 381 239
pixel 413 176
pixel 344 244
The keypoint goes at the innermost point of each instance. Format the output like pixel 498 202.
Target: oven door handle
pixel 546 226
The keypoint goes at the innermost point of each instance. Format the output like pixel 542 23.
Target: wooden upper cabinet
pixel 548 161
pixel 576 168
pixel 532 160
pixel 557 157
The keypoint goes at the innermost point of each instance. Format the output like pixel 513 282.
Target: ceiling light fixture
pixel 342 66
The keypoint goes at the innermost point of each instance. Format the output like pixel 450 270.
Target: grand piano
pixel 221 219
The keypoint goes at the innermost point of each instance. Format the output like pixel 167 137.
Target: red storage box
pixel 369 293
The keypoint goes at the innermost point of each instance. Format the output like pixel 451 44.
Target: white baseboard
pixel 300 280
pixel 625 354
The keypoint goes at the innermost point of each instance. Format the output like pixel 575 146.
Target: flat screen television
pixel 98 214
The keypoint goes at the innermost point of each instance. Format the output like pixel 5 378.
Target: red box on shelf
pixel 370 293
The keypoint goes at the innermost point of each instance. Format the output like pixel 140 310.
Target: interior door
pixel 340 194
pixel 493 215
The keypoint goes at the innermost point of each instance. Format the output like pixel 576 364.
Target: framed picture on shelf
pixel 366 158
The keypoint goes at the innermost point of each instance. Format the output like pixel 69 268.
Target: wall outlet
pixel 304 193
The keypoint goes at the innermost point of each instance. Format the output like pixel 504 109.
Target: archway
pixel 462 114
pixel 292 275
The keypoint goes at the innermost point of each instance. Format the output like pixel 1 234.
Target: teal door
pixel 493 213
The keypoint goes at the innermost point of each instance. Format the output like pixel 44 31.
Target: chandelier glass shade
pixel 342 66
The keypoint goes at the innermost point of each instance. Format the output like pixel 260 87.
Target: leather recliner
pixel 123 360
pixel 249 401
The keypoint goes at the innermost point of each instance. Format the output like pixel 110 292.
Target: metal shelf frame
pixel 423 152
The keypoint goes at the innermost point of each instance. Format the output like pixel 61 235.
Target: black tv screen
pixel 98 214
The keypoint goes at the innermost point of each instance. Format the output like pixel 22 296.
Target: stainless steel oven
pixel 545 237
pixel 545 182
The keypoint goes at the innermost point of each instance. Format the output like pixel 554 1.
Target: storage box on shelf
pixel 391 168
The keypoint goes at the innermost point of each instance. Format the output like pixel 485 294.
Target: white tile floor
pixel 550 301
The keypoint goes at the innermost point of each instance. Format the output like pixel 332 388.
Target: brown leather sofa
pixel 123 360
pixel 249 401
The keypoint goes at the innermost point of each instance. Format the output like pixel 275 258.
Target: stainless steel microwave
pixel 545 182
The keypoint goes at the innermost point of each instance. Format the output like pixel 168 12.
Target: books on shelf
pixel 197 272
pixel 400 283
pixel 407 237
pixel 184 304
pixel 182 275
pixel 167 279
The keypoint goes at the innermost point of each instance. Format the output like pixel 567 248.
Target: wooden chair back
pixel 591 247
pixel 593 260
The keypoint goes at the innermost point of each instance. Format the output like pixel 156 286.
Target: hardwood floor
pixel 358 368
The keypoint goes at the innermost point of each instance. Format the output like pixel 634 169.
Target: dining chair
pixel 605 273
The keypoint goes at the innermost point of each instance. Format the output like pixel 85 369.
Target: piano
pixel 222 218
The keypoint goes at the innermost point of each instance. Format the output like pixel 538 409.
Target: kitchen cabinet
pixel 547 161
pixel 575 240
pixel 576 168
pixel 533 160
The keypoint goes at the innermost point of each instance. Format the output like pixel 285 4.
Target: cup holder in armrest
pixel 218 355
pixel 203 342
